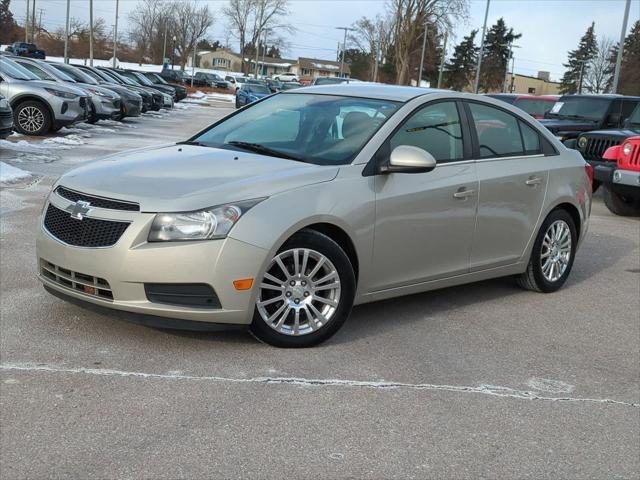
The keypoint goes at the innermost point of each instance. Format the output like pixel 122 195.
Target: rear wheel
pixel 621 205
pixel 306 293
pixel 552 255
pixel 32 118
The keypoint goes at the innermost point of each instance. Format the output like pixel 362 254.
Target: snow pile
pixel 65 142
pixel 9 174
pixel 197 94
pixel 225 97
pixel 21 146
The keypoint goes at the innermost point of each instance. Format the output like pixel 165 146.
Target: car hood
pixel 560 125
pixel 624 133
pixel 69 88
pixel 174 178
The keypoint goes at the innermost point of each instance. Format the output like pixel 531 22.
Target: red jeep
pixel 622 183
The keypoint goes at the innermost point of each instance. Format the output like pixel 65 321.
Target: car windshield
pixel 157 78
pixel 54 71
pixel 593 109
pixel 101 77
pixel 534 106
pixel 634 119
pixel 255 88
pixel 318 129
pixel 290 85
pixel 241 79
pixel 75 73
pixel 15 71
pixel 142 79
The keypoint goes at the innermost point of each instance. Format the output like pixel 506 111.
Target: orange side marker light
pixel 243 284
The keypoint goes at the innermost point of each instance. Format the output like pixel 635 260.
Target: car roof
pixel 611 96
pixel 370 90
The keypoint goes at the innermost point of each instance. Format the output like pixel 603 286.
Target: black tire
pixel 93 117
pixel 533 278
pixel 324 245
pixel 40 110
pixel 621 205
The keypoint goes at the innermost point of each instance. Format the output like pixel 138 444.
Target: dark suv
pixel 6 118
pixel 575 114
pixel 594 144
pixel 23 49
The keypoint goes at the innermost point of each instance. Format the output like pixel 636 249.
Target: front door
pixel 425 221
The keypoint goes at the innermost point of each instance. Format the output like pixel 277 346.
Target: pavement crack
pixel 493 390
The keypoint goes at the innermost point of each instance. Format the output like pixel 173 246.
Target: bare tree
pixel 248 19
pixel 192 22
pixel 143 24
pixel 599 73
pixel 371 37
pixel 409 19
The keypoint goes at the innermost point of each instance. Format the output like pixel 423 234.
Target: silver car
pixel 104 104
pixel 40 106
pixel 288 212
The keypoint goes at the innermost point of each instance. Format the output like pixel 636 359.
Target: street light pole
pixel 616 75
pixel 26 23
pixel 484 31
pixel 444 55
pixel 66 34
pixel 164 45
pixel 424 47
pixel 115 36
pixel 91 33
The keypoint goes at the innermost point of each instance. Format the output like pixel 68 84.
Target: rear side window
pixel 501 134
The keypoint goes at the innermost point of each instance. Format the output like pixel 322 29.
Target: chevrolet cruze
pixel 288 212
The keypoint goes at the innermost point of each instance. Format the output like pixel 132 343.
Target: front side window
pixel 501 134
pixel 318 129
pixel 434 128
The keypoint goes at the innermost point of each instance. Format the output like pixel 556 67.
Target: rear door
pixel 513 180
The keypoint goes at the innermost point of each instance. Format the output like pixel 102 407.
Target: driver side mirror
pixel 409 159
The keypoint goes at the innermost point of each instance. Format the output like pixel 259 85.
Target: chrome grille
pixel 596 146
pixel 88 232
pixel 98 202
pixel 80 282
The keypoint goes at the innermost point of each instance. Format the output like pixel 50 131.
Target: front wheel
pixel 620 204
pixel 32 118
pixel 552 255
pixel 306 293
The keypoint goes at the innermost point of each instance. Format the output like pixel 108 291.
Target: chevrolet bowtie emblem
pixel 79 209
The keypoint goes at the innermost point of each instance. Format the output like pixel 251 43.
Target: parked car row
pixel 45 96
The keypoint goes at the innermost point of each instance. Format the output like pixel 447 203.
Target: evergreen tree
pixel 7 23
pixel 578 62
pixel 629 83
pixel 462 66
pixel 495 57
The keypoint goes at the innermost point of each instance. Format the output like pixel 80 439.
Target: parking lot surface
pixel 483 380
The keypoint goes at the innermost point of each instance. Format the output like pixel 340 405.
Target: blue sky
pixel 550 28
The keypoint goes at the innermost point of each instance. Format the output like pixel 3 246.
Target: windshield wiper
pixel 192 142
pixel 258 148
pixel 576 117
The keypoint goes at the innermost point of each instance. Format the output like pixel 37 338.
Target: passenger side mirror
pixel 409 159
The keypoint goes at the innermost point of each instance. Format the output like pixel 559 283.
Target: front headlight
pixel 60 93
pixel 582 142
pixel 626 149
pixel 208 224
pixel 98 92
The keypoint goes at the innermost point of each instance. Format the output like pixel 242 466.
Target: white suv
pixel 286 77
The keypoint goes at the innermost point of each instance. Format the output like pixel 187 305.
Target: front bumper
pixel 106 109
pixel 624 182
pixel 132 108
pixel 132 262
pixel 69 112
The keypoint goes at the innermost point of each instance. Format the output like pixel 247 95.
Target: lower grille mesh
pixel 86 284
pixel 88 232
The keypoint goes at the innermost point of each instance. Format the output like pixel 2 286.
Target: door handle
pixel 532 181
pixel 463 193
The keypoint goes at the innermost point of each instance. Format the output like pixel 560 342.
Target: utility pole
pixel 26 24
pixel 424 48
pixel 444 56
pixel 66 34
pixel 115 35
pixel 264 47
pixel 193 61
pixel 506 76
pixel 91 33
pixel 616 75
pixel 375 62
pixel 164 47
pixel 484 31
pixel 344 47
pixel 33 22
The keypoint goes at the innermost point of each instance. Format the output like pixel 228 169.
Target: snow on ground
pixel 10 174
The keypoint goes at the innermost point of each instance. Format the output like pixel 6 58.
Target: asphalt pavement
pixel 477 381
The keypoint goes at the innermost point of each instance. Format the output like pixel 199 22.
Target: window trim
pixel 383 153
pixel 546 148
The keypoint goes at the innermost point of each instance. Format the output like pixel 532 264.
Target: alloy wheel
pixel 30 119
pixel 299 293
pixel 555 253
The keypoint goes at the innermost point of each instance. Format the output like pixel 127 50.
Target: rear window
pixel 534 106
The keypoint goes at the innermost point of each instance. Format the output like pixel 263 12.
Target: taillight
pixel 589 170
